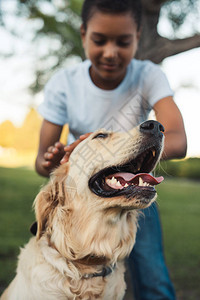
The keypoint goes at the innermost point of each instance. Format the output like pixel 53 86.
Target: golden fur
pixel 78 231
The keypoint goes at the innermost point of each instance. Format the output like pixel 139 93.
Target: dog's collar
pixel 96 260
pixel 103 273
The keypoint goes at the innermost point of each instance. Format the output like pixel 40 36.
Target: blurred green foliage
pixel 187 168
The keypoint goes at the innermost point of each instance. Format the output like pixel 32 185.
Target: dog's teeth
pixel 143 183
pixel 118 184
pixel 114 183
pixel 140 181
pixel 126 185
pixel 113 180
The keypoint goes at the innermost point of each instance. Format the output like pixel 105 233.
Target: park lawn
pixel 178 201
pixel 18 188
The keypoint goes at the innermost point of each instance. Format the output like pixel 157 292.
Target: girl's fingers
pixel 46 164
pixel 65 158
pixel 48 156
pixel 84 136
pixel 72 146
pixel 53 150
pixel 69 149
pixel 49 149
pixel 59 145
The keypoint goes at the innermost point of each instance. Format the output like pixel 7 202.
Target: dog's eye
pixel 101 136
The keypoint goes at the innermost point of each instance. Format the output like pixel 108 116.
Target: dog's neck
pixel 89 260
pixel 91 265
pixel 107 239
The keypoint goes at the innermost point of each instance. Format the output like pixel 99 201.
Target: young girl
pixel 114 91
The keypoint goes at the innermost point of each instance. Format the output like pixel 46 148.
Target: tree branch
pixel 173 47
pixel 163 47
pixel 181 45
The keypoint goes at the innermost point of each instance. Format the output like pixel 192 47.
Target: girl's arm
pixel 50 151
pixel 168 114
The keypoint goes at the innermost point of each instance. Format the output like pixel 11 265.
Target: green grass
pixel 18 188
pixel 179 205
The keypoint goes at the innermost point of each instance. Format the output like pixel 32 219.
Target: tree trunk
pixel 154 47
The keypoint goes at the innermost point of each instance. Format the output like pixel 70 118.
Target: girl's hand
pixel 68 149
pixel 53 156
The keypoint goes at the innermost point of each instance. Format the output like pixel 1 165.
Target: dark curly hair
pixel 112 7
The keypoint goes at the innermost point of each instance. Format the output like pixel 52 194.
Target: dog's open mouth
pixel 130 179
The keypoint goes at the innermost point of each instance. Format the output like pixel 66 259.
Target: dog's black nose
pixel 152 127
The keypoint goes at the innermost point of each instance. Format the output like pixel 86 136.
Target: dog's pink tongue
pixel 145 177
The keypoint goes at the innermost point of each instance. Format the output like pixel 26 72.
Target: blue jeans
pixel 149 273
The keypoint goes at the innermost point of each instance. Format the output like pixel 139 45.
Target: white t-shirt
pixel 71 97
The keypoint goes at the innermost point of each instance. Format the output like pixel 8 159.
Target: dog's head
pixel 106 177
pixel 115 167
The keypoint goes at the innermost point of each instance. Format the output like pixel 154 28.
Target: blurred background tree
pixel 56 26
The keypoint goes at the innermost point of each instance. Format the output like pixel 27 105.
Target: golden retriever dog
pixel 87 218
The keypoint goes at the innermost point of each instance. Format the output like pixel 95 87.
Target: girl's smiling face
pixel 110 42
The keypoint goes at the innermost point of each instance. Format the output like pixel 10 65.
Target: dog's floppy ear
pixel 52 195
